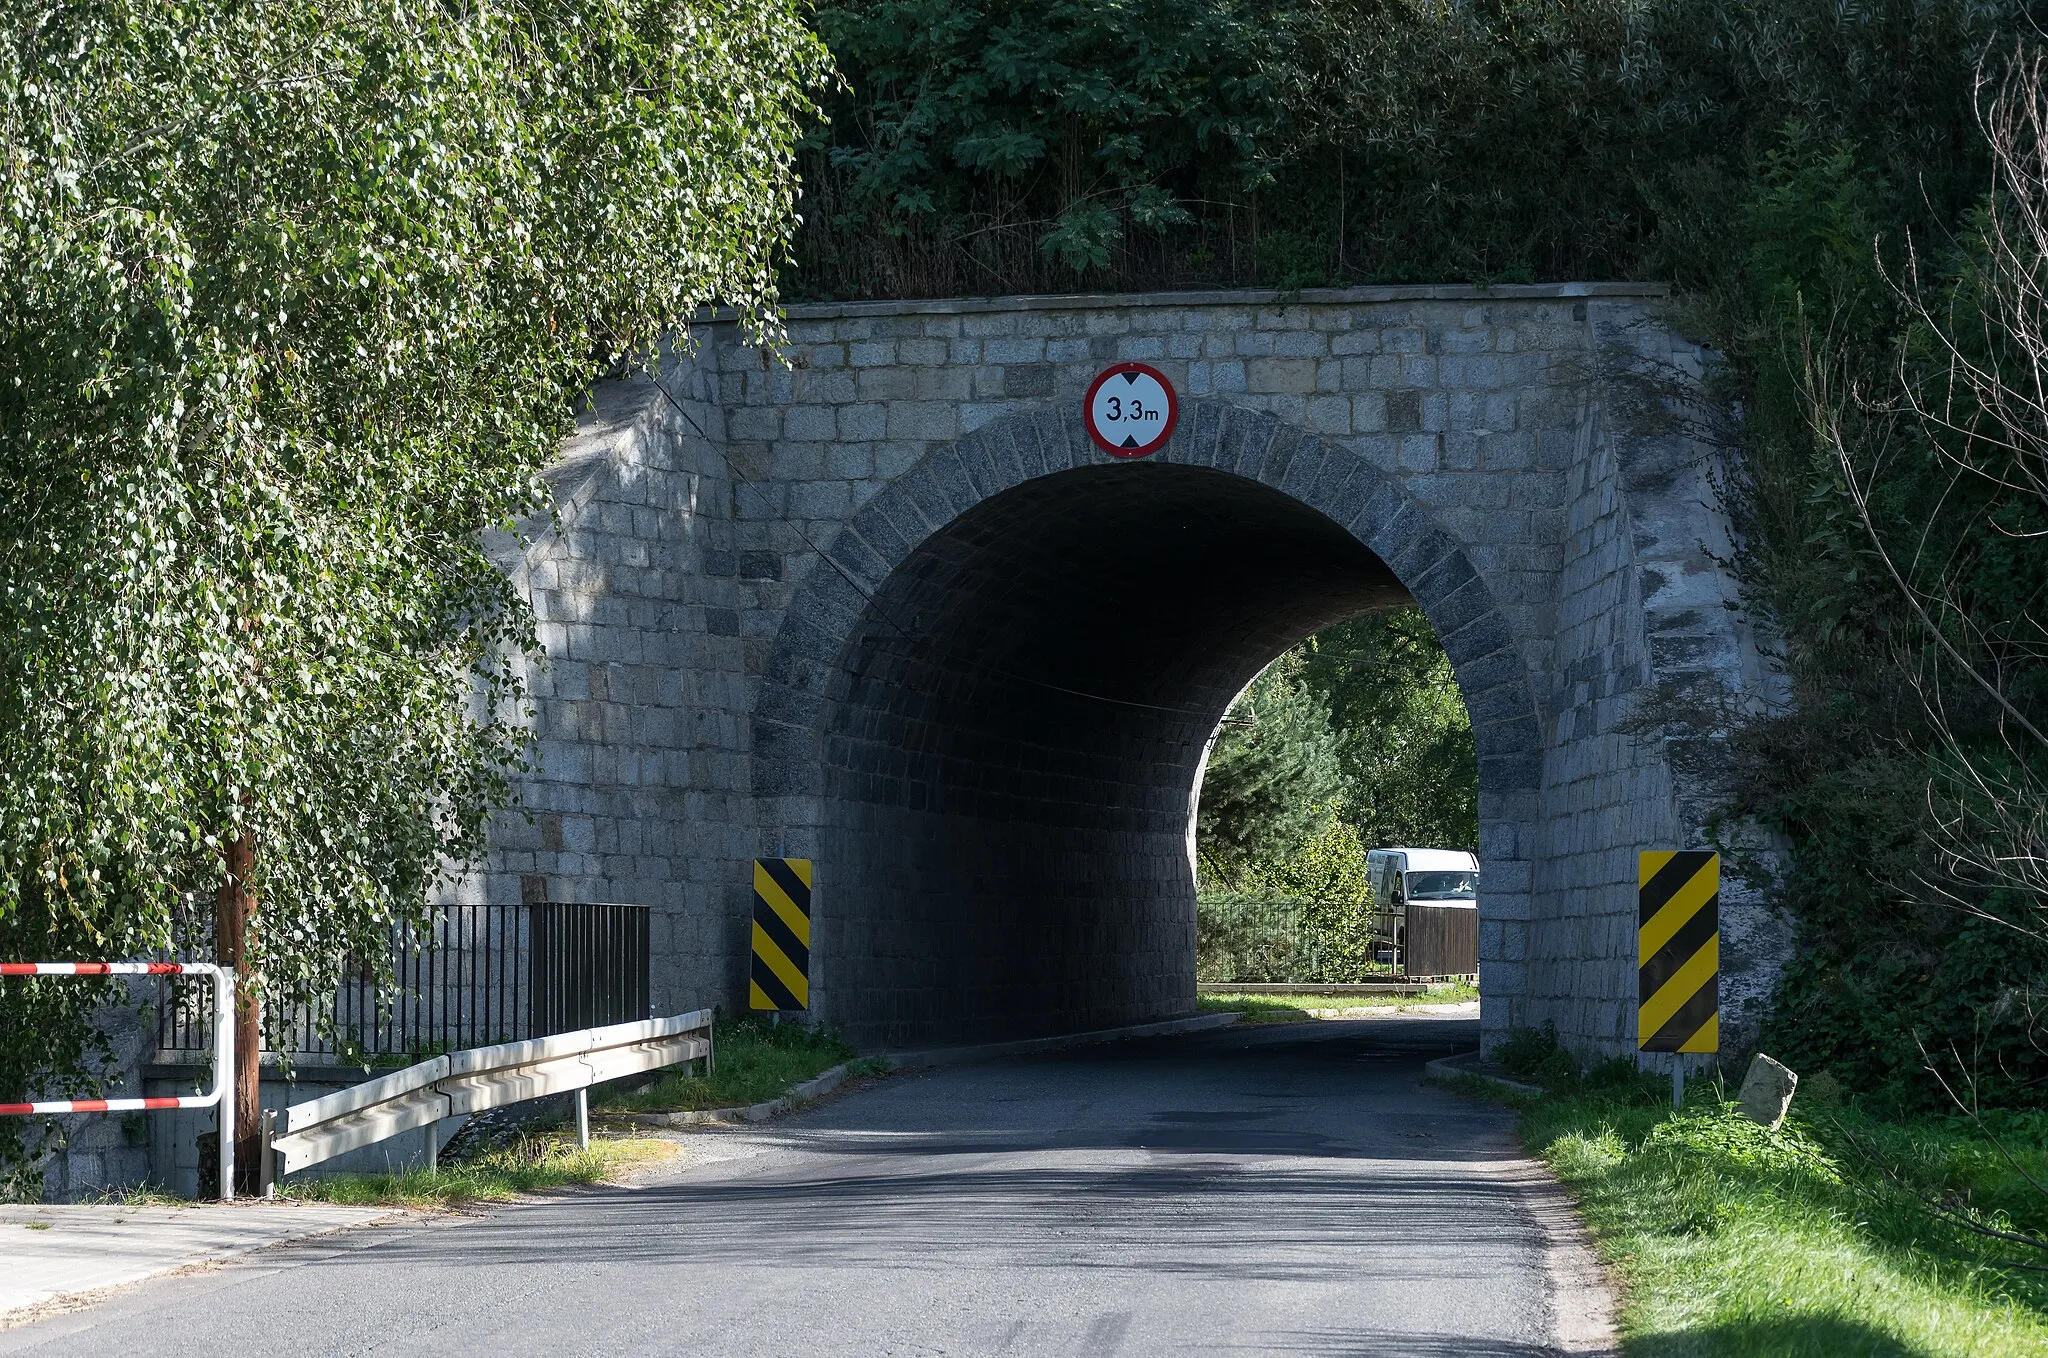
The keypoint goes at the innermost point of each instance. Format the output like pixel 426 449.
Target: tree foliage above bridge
pixel 995 146
pixel 295 298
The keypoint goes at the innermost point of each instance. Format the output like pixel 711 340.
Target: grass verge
pixel 1267 1008
pixel 757 1061
pixel 1841 1235
pixel 529 1164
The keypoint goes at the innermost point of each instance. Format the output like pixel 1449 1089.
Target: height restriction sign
pixel 1130 409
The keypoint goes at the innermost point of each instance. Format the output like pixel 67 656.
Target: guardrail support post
pixel 432 1131
pixel 224 1073
pixel 266 1165
pixel 583 1119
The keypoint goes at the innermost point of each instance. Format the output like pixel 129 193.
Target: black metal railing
pixel 589 965
pixel 481 974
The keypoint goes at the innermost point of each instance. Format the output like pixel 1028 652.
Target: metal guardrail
pixel 475 1081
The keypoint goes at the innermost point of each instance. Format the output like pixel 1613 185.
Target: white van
pixel 1427 902
pixel 1426 876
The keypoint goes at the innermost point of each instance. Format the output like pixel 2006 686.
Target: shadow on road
pixel 1335 1152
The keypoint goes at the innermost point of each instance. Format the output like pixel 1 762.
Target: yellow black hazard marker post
pixel 1678 952
pixel 781 977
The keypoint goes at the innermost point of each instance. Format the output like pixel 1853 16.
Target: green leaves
pixel 1050 128
pixel 1272 775
pixel 295 301
pixel 1302 142
pixel 1082 237
pixel 1355 739
pixel 1410 768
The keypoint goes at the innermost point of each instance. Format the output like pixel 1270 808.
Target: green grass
pixel 756 1062
pixel 1264 1008
pixel 530 1164
pixel 1817 1239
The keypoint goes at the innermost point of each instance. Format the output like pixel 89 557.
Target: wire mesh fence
pixel 480 974
pixel 1268 940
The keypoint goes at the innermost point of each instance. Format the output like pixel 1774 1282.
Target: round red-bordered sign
pixel 1130 410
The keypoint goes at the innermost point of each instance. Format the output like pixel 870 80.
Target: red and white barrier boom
pixel 221 1096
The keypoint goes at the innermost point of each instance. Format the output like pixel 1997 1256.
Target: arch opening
pixel 1014 735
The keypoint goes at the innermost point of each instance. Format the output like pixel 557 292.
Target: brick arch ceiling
pixel 991 705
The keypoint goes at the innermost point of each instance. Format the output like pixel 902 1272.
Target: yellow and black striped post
pixel 1679 951
pixel 781 975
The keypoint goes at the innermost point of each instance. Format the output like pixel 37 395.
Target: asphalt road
pixel 1292 1190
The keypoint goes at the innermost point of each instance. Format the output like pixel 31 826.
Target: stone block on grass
pixel 1766 1091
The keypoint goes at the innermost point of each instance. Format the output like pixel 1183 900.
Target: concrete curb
pixel 1461 1067
pixel 928 1058
pixel 814 1088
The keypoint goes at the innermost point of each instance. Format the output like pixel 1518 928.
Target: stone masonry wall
pixel 689 529
pixel 640 791
pixel 1602 800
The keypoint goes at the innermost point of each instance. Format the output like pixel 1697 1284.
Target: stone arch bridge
pixel 876 599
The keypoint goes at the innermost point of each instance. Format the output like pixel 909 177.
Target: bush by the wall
pixel 1270 939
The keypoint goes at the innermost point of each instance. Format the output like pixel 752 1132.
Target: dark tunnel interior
pixel 1014 740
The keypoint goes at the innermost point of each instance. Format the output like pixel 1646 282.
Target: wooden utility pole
pixel 234 908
